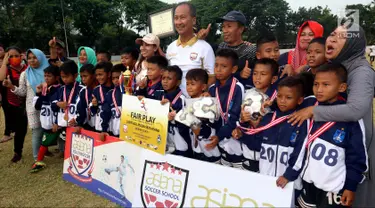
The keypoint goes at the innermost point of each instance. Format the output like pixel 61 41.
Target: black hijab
pixel 352 55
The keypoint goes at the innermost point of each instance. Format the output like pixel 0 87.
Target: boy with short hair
pixel 103 76
pixel 196 84
pixel 116 73
pixel 155 67
pixel 129 57
pixel 103 56
pixel 229 93
pixel 44 95
pixel 316 54
pixel 85 118
pixel 336 155
pixel 178 133
pixel 275 143
pixel 65 103
pixel 265 76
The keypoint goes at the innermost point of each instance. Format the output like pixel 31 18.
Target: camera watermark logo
pixel 349 18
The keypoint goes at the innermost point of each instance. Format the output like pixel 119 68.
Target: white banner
pixel 173 181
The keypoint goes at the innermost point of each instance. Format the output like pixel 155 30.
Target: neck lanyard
pixel 224 115
pixel 66 117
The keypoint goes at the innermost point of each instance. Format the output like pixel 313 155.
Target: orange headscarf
pixel 297 57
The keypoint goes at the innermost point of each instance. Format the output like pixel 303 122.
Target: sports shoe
pixel 16 158
pixel 37 166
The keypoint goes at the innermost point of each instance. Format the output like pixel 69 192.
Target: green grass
pixel 19 188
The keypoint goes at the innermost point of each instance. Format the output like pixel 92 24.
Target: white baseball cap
pixel 149 39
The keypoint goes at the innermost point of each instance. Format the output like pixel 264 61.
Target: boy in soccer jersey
pixel 178 133
pixel 196 84
pixel 44 95
pixel 103 76
pixel 67 97
pixel 275 143
pixel 228 92
pixel 85 118
pixel 336 155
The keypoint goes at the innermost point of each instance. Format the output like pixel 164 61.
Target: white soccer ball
pixel 253 101
pixel 206 107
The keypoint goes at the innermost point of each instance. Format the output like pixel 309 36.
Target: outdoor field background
pixel 19 188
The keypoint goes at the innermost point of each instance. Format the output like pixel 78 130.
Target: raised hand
pixel 246 71
pixel 203 33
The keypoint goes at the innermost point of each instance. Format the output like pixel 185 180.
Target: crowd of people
pixel 318 134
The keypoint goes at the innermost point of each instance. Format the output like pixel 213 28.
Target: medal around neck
pixel 253 101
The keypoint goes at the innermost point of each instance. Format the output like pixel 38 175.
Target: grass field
pixel 19 188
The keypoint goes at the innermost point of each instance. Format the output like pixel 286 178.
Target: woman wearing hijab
pixel 29 80
pixel 86 56
pixel 348 48
pixel 295 60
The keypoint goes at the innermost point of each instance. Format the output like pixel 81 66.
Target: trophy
pixel 127 80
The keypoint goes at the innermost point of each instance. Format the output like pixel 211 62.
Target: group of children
pixel 325 160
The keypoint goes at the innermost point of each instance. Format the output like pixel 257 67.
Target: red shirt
pixel 12 98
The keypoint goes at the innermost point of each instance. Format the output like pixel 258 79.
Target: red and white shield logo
pixel 193 56
pixel 163 185
pixel 81 153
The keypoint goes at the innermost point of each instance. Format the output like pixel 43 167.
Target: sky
pixel 334 5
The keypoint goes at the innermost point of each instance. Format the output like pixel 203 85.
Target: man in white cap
pixel 188 52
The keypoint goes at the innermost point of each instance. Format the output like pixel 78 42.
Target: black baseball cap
pixel 234 16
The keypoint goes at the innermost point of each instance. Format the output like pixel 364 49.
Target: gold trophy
pixel 127 76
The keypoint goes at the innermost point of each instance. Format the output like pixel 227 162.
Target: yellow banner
pixel 144 123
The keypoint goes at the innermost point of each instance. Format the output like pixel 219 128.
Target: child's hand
pixel 256 122
pixel 142 84
pixel 62 105
pixel 77 129
pixel 72 122
pixel 245 116
pixel 213 144
pixel 171 115
pixel 347 198
pixel 246 71
pixel 266 104
pixel 94 101
pixel 205 94
pixel 140 97
pixel 164 101
pixel 39 88
pixel 55 128
pixel 102 136
pixel 281 182
pixel 52 42
pixel 237 133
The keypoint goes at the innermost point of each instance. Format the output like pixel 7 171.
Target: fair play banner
pixel 174 181
pixel 108 168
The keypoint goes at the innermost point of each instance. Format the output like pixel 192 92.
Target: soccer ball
pixel 253 101
pixel 206 107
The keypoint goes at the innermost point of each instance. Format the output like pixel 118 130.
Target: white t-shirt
pixel 372 53
pixel 189 57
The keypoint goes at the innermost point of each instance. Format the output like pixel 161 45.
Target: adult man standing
pixel 188 52
pixel 233 26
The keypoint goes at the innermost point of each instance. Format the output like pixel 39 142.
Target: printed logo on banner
pixel 163 185
pixel 81 157
pixel 143 105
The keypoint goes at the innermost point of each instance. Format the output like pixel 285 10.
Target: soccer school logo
pixel 81 157
pixel 339 136
pixel 193 56
pixel 163 185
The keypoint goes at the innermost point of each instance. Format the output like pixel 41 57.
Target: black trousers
pixel 5 106
pixel 18 124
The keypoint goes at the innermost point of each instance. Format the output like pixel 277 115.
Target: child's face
pixel 153 71
pixel 288 98
pixel 262 77
pixel 101 76
pixel 224 68
pixel 169 81
pixel 269 50
pixel 316 55
pixel 68 78
pixel 327 86
pixel 127 60
pixel 87 78
pixel 32 60
pixel 82 56
pixel 195 88
pixel 101 57
pixel 49 78
pixel 116 78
